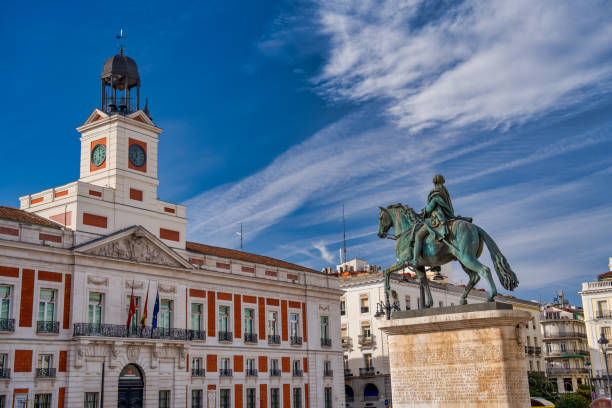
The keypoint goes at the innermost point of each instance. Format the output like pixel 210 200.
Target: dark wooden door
pixel 130 397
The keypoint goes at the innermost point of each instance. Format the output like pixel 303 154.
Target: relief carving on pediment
pixel 135 248
pixel 167 288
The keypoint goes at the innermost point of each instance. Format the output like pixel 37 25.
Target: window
pixel 342 307
pixel 367 359
pixel 324 327
pixel 327 371
pixel 296 365
pixel 165 312
pixel 250 364
pixel 274 365
pixel 365 331
pixel 5 302
pixel 346 365
pixel 294 324
pixel 224 398
pixel 249 320
pixel 250 398
pixel 4 365
pixel 197 312
pixel 363 302
pixel 95 308
pixel 274 398
pixel 45 361
pixel 224 319
pixel 136 317
pixel 606 331
pixel 407 302
pixel 328 397
pixel 42 401
pixel 197 367
pixel 297 398
pixel 46 307
pixel 196 398
pixel 91 400
pixel 548 348
pixel 225 364
pixel 2 401
pixel 272 323
pixel 563 347
pixel 164 399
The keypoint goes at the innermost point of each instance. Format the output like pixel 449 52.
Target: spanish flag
pixel 143 319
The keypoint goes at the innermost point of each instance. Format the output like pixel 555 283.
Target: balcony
pixel 565 370
pixel 250 338
pixel 225 372
pixel 274 339
pixel 347 342
pixel 198 372
pixel 7 325
pixel 275 372
pixel 295 340
pixel 225 336
pixel 5 373
pixel 603 314
pixel 120 330
pixel 298 373
pixel 348 372
pixel 538 351
pixel 367 371
pixel 328 373
pixel 529 350
pixel 366 341
pixel 251 372
pixel 45 373
pixel 325 342
pixel 564 334
pixel 47 327
pixel 365 309
pixel 566 353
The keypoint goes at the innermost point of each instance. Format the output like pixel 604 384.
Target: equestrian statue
pixel 436 237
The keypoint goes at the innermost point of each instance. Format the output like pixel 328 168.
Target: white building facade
pixel 366 361
pixel 234 329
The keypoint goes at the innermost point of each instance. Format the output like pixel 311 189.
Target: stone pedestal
pixel 458 356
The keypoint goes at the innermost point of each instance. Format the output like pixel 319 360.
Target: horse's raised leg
pixel 474 278
pixel 428 301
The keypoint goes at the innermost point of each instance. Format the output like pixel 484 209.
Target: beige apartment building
pixel 597 304
pixel 566 345
pixel 366 365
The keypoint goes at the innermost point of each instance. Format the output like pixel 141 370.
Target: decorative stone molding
pixel 166 288
pixel 134 284
pixel 133 352
pixel 321 307
pixel 135 247
pixel 97 281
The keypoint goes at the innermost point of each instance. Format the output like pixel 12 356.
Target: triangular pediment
pixel 140 116
pixel 134 244
pixel 96 115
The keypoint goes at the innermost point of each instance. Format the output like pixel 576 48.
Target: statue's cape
pixel 446 205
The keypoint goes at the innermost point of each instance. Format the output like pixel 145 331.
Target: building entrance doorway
pixel 131 385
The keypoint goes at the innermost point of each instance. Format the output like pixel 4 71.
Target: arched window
pixel 130 372
pixel 370 392
pixel 348 391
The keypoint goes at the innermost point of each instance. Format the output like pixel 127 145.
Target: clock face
pixel 98 154
pixel 137 155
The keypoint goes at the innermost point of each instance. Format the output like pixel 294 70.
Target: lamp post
pixel 588 367
pixel 603 343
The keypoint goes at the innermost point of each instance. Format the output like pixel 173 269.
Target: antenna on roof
pixel 240 235
pixel 120 38
pixel 343 234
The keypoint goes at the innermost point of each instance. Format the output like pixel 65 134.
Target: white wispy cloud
pixel 325 254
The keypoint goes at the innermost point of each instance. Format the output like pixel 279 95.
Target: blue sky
pixel 276 113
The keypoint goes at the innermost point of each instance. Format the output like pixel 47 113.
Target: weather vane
pixel 120 38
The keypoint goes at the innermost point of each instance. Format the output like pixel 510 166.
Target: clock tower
pixel 117 187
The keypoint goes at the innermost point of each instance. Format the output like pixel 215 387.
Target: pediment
pixel 135 244
pixel 96 115
pixel 140 116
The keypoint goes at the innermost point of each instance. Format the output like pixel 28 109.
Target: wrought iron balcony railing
pixel 366 371
pixel 225 336
pixel 566 370
pixel 295 340
pixel 348 372
pixel 120 330
pixel 603 314
pixel 7 325
pixel 251 372
pixel 538 351
pixel 225 372
pixel 250 338
pixel 45 373
pixel 564 334
pixel 298 373
pixel 325 342
pixel 47 327
pixel 275 372
pixel 347 342
pixel 5 373
pixel 366 340
pixel 198 372
pixel 529 349
pixel 274 339
pixel 567 352
pixel 328 373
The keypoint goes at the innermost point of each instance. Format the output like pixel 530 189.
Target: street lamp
pixel 603 343
pixel 588 367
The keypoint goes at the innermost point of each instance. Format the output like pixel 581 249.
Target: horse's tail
pixel 506 276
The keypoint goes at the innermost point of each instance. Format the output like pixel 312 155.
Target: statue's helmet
pixel 438 179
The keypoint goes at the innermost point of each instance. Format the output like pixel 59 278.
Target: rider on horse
pixel 438 211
